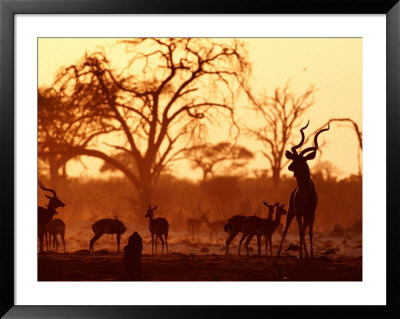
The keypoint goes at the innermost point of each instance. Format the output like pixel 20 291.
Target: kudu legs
pixel 303 224
pixel 289 219
pixel 302 230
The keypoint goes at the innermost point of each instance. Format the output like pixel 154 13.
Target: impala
pixel 235 224
pixel 215 227
pixel 303 199
pixel 45 214
pixel 158 227
pixel 193 225
pixel 107 226
pixel 54 228
pixel 254 225
pixel 275 224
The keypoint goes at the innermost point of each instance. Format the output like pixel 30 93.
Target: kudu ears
pixel 283 205
pixel 154 208
pixel 265 203
pixel 310 156
pixel 289 155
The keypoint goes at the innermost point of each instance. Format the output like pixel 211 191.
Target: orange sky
pixel 333 65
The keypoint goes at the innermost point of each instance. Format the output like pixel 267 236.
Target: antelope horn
pixel 47 189
pixel 302 138
pixel 315 147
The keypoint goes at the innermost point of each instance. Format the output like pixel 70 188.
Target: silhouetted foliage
pixel 156 107
pixel 282 113
pixel 208 157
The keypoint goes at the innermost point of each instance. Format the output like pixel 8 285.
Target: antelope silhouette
pixel 236 225
pixel 303 199
pixel 214 227
pixel 254 225
pixel 54 228
pixel 158 227
pixel 194 224
pixel 45 214
pixel 107 226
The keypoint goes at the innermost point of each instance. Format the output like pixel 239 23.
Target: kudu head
pixel 149 211
pixel 299 165
pixel 54 201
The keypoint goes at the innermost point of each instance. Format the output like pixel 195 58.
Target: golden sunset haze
pixel 333 65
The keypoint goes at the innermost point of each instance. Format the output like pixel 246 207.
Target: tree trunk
pixel 276 176
pixel 53 170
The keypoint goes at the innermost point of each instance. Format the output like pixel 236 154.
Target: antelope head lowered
pixel 303 199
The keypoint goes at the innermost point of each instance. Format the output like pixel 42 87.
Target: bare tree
pixel 281 114
pixel 358 132
pixel 154 108
pixel 208 157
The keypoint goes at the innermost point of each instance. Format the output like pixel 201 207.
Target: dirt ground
pixel 105 266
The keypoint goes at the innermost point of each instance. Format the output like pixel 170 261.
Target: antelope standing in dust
pixel 257 226
pixel 214 227
pixel 54 228
pixel 235 225
pixel 158 227
pixel 193 225
pixel 303 199
pixel 45 214
pixel 264 226
pixel 107 226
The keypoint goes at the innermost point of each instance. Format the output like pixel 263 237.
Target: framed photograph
pixel 186 161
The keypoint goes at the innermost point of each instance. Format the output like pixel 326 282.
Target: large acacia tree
pixel 152 110
pixel 208 157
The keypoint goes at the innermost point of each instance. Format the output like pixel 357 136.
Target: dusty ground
pixel 337 259
pixel 103 266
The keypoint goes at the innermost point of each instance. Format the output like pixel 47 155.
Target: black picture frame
pixel 8 10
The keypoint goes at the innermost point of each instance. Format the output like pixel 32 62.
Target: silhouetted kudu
pixel 132 257
pixel 107 226
pixel 158 227
pixel 303 199
pixel 45 214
